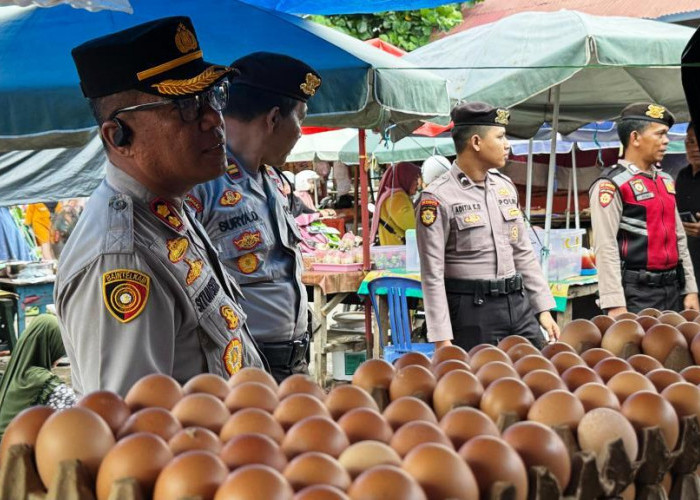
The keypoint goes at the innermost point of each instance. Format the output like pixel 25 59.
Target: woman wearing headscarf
pixel 28 380
pixel 393 213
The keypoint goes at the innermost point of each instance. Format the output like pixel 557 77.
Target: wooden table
pixel 574 292
pixel 37 292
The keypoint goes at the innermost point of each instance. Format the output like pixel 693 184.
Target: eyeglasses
pixel 190 108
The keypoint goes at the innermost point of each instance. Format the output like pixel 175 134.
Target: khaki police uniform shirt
pixel 470 231
pixel 140 290
pixel 606 224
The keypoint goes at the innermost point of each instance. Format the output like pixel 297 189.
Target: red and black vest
pixel 647 234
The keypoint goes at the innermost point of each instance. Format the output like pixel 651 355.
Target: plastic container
pixel 389 257
pixel 412 257
pixel 565 251
pixel 346 362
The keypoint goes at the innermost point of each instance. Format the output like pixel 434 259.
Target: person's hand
pixel 441 343
pixel 692 229
pixel 327 212
pixel 548 323
pixel 690 301
pixel 614 312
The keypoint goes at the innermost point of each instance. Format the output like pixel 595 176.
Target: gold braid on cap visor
pixel 191 85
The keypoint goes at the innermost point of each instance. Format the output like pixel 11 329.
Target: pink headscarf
pixel 397 177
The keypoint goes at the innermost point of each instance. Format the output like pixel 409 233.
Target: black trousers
pixel 279 373
pixel 663 298
pixel 498 317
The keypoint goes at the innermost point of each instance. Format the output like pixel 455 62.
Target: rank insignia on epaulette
pixel 177 247
pixel 230 198
pixel 248 263
pixel 233 356
pixel 248 240
pixel 195 269
pixel 428 212
pixel 194 203
pixel 166 212
pixel 230 316
pixel 233 171
pixel 125 293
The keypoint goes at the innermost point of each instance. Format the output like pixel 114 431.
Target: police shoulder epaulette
pixel 500 174
pixel 119 237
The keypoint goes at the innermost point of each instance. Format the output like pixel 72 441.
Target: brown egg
pixel 202 410
pixel 576 376
pixel 194 438
pixel 691 374
pixel 363 424
pixel 412 434
pixel 629 493
pixel 660 340
pixel 407 409
pixel 596 395
pixel 647 322
pixel 24 428
pixel 321 492
pixel 487 355
pixel 695 348
pixel 73 433
pixel 373 373
pixel 690 314
pixel 626 315
pixel 507 395
pixel 252 482
pixel 449 352
pixel 344 398
pixel 297 407
pixel 689 330
pixel 413 380
pixel 648 409
pixel 663 377
pixel 247 449
pixel 251 395
pixel 643 364
pixel 581 334
pixel 492 460
pixel 140 456
pixel 542 381
pixel 519 351
pixel 155 390
pixel 441 472
pixel 537 444
pixel 300 384
pixel 603 322
pixel 556 408
pixel 551 350
pixel 462 424
pixel 156 420
pixel 601 426
pixel 622 333
pixel 531 363
pixel 627 383
pixel 109 406
pixel 252 374
pixel 593 356
pixel 316 468
pixel 207 383
pixel 495 370
pixel 315 434
pixel 565 360
pixel 506 343
pixel 360 457
pixel 456 388
pixel 650 311
pixel 386 482
pixel 412 358
pixel 671 318
pixel 684 397
pixel 448 366
pixel 609 367
pixel 252 420
pixel 478 348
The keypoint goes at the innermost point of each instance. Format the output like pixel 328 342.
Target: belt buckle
pixel 493 287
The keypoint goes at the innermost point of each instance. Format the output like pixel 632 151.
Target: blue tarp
pixel 327 7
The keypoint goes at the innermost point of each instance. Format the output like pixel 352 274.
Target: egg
pixel 603 322
pixel 648 409
pixel 456 388
pixel 594 395
pixel 478 348
pixel 557 408
pixel 360 457
pixel 412 434
pixel 689 330
pixel 623 338
pixel 663 377
pixel 253 482
pixel 565 360
pixel 203 410
pixel 519 351
pixel 247 449
pixel 252 374
pixel 208 383
pixel 661 340
pixel 191 474
pixel 73 433
pixel 449 352
pixel 441 472
pixel 531 363
pixel 647 322
pixel 691 374
pixel 252 420
pixel 251 395
pixel 447 366
pixel 386 482
pixel 24 428
pixel 650 311
pixel 609 367
pixel 344 398
pixel 581 334
pixel 507 395
pixel 407 409
pixel 321 492
pixel 493 460
pixel 487 355
pixel 413 380
pixel 627 383
pixel 576 376
pixel 537 444
pixel 626 315
pixel 685 399
pixel 542 381
pixel 297 407
pixel 462 424
pixel 643 364
pixel 156 420
pixel 495 370
pixel 506 343
pixel 373 374
pixel 592 356
pixel 155 390
pixel 690 314
pixel 316 468
pixel 551 350
pixel 109 406
pixel 412 358
pixel 363 424
pixel 671 318
pixel 300 384
pixel 194 438
pixel 140 456
pixel 601 426
pixel 695 348
pixel 315 434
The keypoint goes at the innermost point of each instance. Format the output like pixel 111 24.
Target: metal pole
pixel 364 190
pixel 550 181
pixel 568 203
pixel 528 182
pixel 574 172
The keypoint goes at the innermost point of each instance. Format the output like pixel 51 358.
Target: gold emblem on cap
pixel 502 116
pixel 191 85
pixel 311 84
pixel 185 41
pixel 655 111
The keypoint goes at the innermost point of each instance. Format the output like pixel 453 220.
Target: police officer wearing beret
pixel 640 245
pixel 481 280
pixel 139 288
pixel 246 211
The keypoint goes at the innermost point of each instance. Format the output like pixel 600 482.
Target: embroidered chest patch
pixel 195 269
pixel 248 263
pixel 230 316
pixel 248 240
pixel 670 186
pixel 230 198
pixel 125 293
pixel 428 212
pixel 233 356
pixel 177 247
pixel 166 212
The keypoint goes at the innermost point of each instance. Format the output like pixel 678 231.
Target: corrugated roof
pixel 493 10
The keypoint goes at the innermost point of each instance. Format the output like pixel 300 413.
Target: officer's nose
pixel 211 118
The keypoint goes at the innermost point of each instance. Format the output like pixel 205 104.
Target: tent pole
pixel 364 190
pixel 568 203
pixel 574 172
pixel 528 181
pixel 550 181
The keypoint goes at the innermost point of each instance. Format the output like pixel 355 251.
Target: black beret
pixel 278 74
pixel 648 111
pixel 160 57
pixel 479 113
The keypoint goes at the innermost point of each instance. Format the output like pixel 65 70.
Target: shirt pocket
pixel 253 238
pixel 512 217
pixel 472 232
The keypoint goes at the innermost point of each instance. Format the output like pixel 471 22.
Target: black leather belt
pixel 503 286
pixel 285 354
pixel 650 278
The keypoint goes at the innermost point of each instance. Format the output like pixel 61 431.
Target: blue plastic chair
pixel 399 319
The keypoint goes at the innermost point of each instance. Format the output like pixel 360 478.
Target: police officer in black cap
pixel 246 211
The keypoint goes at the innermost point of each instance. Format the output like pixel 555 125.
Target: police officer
pixel 246 211
pixel 640 245
pixel 139 288
pixel 481 281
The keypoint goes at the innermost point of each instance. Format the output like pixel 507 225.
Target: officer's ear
pixel 273 118
pixel 113 138
pixel 475 141
pixel 634 137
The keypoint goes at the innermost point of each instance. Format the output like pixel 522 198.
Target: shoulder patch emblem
pixel 194 203
pixel 125 293
pixel 177 247
pixel 428 212
pixel 670 186
pixel 195 269
pixel 248 240
pixel 230 317
pixel 166 212
pixel 230 198
pixel 248 263
pixel 606 192
pixel 233 357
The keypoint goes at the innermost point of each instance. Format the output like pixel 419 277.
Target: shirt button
pixel 119 205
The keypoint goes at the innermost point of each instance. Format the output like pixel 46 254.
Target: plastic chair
pixel 399 319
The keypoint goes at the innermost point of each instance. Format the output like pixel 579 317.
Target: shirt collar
pixel 634 169
pixel 124 183
pixel 463 179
